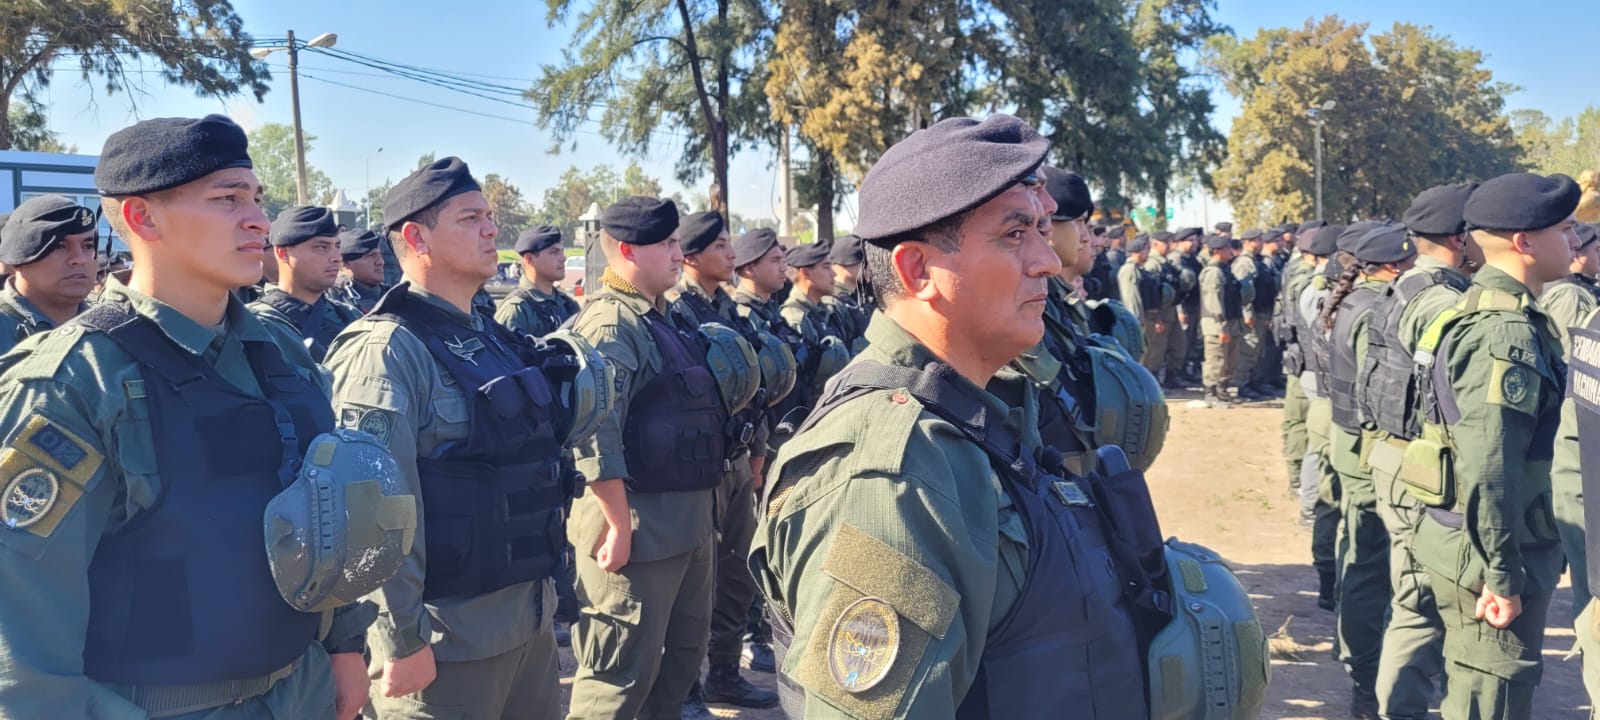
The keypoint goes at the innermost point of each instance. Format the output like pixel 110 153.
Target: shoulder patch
pixel 377 423
pixel 862 644
pixel 44 471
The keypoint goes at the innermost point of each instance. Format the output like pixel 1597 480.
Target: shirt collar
pixel 193 337
pixel 465 319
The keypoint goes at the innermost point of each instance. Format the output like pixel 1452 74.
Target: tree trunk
pixel 5 121
pixel 825 180
pixel 1159 222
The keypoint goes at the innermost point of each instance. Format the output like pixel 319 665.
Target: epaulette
pixel 39 357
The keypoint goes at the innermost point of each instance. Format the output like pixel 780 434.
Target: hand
pixel 1183 319
pixel 1224 338
pixel 758 466
pixel 1498 610
pixel 1250 322
pixel 409 674
pixel 614 550
pixel 1161 327
pixel 350 684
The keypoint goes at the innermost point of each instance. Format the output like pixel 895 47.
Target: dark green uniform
pixel 530 311
pixel 1501 359
pixel 1568 302
pixel 19 318
pixel 1295 404
pixel 495 652
pixel 316 324
pixel 87 393
pixel 644 628
pixel 358 295
pixel 1221 312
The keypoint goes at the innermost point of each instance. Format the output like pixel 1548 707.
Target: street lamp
pixel 367 221
pixel 1316 112
pixel 325 40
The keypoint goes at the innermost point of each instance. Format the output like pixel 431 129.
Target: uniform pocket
pixel 607 629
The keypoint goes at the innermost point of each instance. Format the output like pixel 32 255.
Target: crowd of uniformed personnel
pixel 901 469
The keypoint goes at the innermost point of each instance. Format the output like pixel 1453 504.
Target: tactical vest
pixel 1070 640
pixel 741 428
pixel 792 409
pixel 1232 294
pixel 310 320
pixel 493 502
pixel 1149 289
pixel 1314 340
pixel 674 438
pixel 1583 389
pixel 1386 386
pixel 1172 277
pixel 183 594
pixel 1342 369
pixel 1286 322
pixel 1266 282
pixel 1192 266
pixel 551 313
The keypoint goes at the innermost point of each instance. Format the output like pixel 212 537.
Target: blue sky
pixel 1541 47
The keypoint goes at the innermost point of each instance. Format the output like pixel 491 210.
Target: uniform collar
pixel 891 344
pixel 270 287
pixel 24 307
pixel 534 290
pixel 799 298
pixel 618 287
pixel 1496 279
pixel 238 321
pixel 471 320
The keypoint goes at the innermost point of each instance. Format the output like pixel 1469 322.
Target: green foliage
pixel 197 43
pixel 30 130
pixel 571 196
pixel 1568 146
pixel 272 151
pixel 1412 109
pixel 511 212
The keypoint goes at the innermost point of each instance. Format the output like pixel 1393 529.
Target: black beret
pixel 1437 210
pixel 1069 191
pixel 538 239
pixel 1588 234
pixel 943 170
pixel 1253 234
pixel 353 244
pixel 1522 201
pixel 1223 227
pixel 37 226
pixel 847 251
pixel 164 153
pixel 1389 242
pixel 439 181
pixel 1346 240
pixel 751 246
pixel 640 220
pixel 1321 241
pixel 1309 225
pixel 804 256
pixel 1218 242
pixel 1139 243
pixel 299 223
pixel 1162 236
pixel 1187 233
pixel 698 230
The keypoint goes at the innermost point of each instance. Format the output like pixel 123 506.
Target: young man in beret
pixel 1500 382
pixel 50 244
pixel 537 307
pixel 1164 351
pixel 759 261
pixel 362 284
pixel 846 257
pixel 708 259
pixel 1222 318
pixel 805 311
pixel 1569 300
pixel 897 573
pixel 1259 280
pixel 305 240
pixel 1145 296
pixel 132 590
pixel 643 529
pixel 1186 246
pixel 465 627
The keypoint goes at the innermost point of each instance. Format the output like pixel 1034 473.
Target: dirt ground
pixel 1221 482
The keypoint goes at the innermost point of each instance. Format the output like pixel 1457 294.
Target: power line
pixel 416 100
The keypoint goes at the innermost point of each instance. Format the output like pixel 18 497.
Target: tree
pixel 272 151
pixel 635 182
pixel 197 43
pixel 575 191
pixel 374 201
pixel 30 130
pixel 671 66
pixel 511 213
pixel 1568 146
pixel 1412 109
pixel 1177 140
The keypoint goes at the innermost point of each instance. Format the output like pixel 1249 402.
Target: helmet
pixel 835 355
pixel 734 365
pixel 583 381
pixel 1112 318
pixel 1039 365
pixel 778 367
pixel 1210 662
pixel 343 526
pixel 1130 409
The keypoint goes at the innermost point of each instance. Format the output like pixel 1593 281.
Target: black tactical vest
pixel 1070 640
pixel 741 429
pixel 312 320
pixel 1189 262
pixel 1342 356
pixel 1583 388
pixel 674 436
pixel 1149 290
pixel 1286 322
pixel 1266 284
pixel 1314 340
pixel 1386 386
pixel 551 313
pixel 494 502
pixel 183 594
pixel 1232 294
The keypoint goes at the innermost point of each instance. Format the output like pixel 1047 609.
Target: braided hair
pixel 1351 271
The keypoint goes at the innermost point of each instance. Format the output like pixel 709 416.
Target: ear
pixel 136 212
pixel 411 232
pixel 282 253
pixel 910 261
pixel 1520 242
pixel 626 251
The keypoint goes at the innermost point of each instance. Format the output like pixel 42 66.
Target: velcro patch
pixel 34 498
pixel 1513 385
pixel 1522 355
pixel 58 450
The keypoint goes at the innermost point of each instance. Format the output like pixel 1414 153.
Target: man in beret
pixel 465 625
pixel 1501 382
pixel 811 276
pixel 132 590
pixel 1164 352
pixel 881 538
pixel 699 298
pixel 1413 639
pixel 1147 296
pixel 1186 243
pixel 1569 300
pixel 362 283
pixel 1224 229
pixel 50 244
pixel 305 241
pixel 1222 318
pixel 537 307
pixel 1296 274
pixel 1259 281
pixel 1567 469
pixel 846 302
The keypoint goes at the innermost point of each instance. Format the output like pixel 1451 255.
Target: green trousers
pixel 1251 349
pixel 1319 490
pixel 1492 673
pixel 1221 357
pixel 735 587
pixel 1165 349
pixel 1363 575
pixel 641 634
pixel 1413 641
pixel 306 693
pixel 522 684
pixel 1589 644
pixel 1567 492
pixel 1294 429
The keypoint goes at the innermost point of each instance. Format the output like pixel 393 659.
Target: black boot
pixel 760 657
pixel 694 706
pixel 1248 393
pixel 1325 591
pixel 1363 704
pixel 725 685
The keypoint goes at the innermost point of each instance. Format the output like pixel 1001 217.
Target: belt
pixel 164 701
pixel 1446 518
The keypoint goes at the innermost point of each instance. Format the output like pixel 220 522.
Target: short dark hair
pixel 944 234
pixel 428 217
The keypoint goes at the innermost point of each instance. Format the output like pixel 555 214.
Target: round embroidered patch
pixel 376 423
pixel 863 644
pixel 1514 385
pixel 29 497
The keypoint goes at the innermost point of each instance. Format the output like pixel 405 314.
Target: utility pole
pixel 299 136
pixel 785 188
pixel 1317 121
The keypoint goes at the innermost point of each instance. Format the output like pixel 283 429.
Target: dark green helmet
pixel 778 367
pixel 734 365
pixel 1210 662
pixel 1130 408
pixel 583 383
